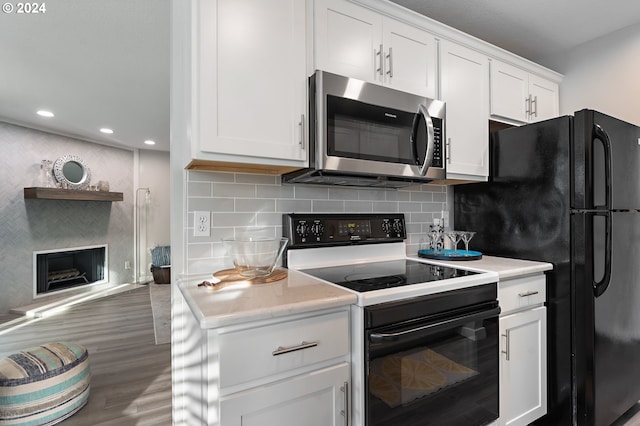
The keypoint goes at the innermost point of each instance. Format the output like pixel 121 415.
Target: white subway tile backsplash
pixel 274 191
pixel 237 190
pixel 253 178
pixel 244 204
pixel 311 192
pixel 358 206
pixel 328 206
pixel 255 205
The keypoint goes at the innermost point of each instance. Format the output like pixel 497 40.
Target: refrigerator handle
pixel 600 134
pixel 601 286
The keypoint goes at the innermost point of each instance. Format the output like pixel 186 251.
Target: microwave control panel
pixel 316 230
pixel 437 160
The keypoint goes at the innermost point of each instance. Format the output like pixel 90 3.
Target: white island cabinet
pixel 274 354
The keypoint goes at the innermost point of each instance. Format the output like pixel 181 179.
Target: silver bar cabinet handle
pixel 301 127
pixel 535 111
pixel 448 144
pixel 506 351
pixel 527 106
pixel 285 350
pixel 345 390
pixel 379 70
pixel 390 57
pixel 528 293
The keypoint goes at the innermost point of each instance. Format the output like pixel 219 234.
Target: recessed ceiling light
pixel 149 142
pixel 106 130
pixel 45 113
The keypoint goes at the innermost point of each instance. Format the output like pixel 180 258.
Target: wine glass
pixel 466 237
pixel 455 237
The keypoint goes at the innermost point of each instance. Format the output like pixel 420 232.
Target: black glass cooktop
pixel 380 275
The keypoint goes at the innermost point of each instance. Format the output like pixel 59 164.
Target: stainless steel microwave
pixel 364 134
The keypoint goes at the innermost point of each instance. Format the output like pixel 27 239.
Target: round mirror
pixel 72 172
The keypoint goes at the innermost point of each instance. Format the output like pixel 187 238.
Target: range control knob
pixel 397 227
pixel 386 227
pixel 317 229
pixel 302 229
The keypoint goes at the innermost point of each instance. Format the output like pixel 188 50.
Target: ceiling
pixel 94 64
pixel 540 30
pixel 97 63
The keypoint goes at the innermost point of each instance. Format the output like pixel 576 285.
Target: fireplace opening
pixel 65 269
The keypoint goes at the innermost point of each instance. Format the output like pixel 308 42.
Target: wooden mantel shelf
pixel 71 194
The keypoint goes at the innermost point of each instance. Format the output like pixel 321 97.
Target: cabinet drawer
pixel 520 293
pixel 264 351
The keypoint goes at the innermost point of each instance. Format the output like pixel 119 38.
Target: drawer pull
pixel 304 345
pixel 529 293
pixel 345 413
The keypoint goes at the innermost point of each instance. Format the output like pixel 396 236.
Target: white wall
pixel 153 173
pixel 604 75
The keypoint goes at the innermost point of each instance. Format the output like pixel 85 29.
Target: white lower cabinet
pixel 318 398
pixel 523 351
pixel 286 371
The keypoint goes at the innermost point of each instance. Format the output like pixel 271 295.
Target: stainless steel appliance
pixel 567 191
pixel 364 134
pixel 424 336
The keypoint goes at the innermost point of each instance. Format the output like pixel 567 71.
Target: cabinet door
pixel 523 367
pixel 251 78
pixel 544 94
pixel 348 40
pixel 464 87
pixel 509 92
pixel 409 58
pixel 319 398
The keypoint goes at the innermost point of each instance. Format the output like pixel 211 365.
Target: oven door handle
pixel 434 326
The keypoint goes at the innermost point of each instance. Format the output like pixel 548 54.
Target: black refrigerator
pixel 567 191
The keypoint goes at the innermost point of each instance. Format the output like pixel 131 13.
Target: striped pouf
pixel 43 385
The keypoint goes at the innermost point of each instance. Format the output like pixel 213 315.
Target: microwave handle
pixel 422 110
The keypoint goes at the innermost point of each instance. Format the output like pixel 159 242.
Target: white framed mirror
pixel 72 172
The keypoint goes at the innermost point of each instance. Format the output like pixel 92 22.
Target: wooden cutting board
pixel 229 275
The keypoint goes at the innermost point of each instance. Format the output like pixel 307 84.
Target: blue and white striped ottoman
pixel 44 385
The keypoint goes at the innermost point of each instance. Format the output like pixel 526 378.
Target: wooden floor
pixel 131 375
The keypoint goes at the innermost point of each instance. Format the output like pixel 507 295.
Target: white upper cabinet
pixel 250 81
pixel 521 96
pixel 464 79
pixel 357 42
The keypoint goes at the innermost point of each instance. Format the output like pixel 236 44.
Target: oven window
pixel 368 132
pixel 447 376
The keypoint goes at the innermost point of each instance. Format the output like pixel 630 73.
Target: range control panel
pixel 315 230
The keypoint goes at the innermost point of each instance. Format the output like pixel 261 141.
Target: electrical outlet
pixel 127 264
pixel 201 224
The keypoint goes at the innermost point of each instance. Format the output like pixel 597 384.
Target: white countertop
pixel 298 293
pixel 504 267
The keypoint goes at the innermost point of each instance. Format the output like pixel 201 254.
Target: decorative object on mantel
pixel 71 194
pixel 228 277
pixel 71 172
pixel 46 179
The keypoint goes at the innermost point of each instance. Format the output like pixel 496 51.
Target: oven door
pixel 436 370
pixel 369 129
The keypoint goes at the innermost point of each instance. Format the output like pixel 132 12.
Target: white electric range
pixel 424 335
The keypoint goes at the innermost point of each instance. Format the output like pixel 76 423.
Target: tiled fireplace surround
pixel 240 202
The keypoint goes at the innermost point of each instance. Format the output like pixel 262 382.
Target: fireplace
pixel 56 270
